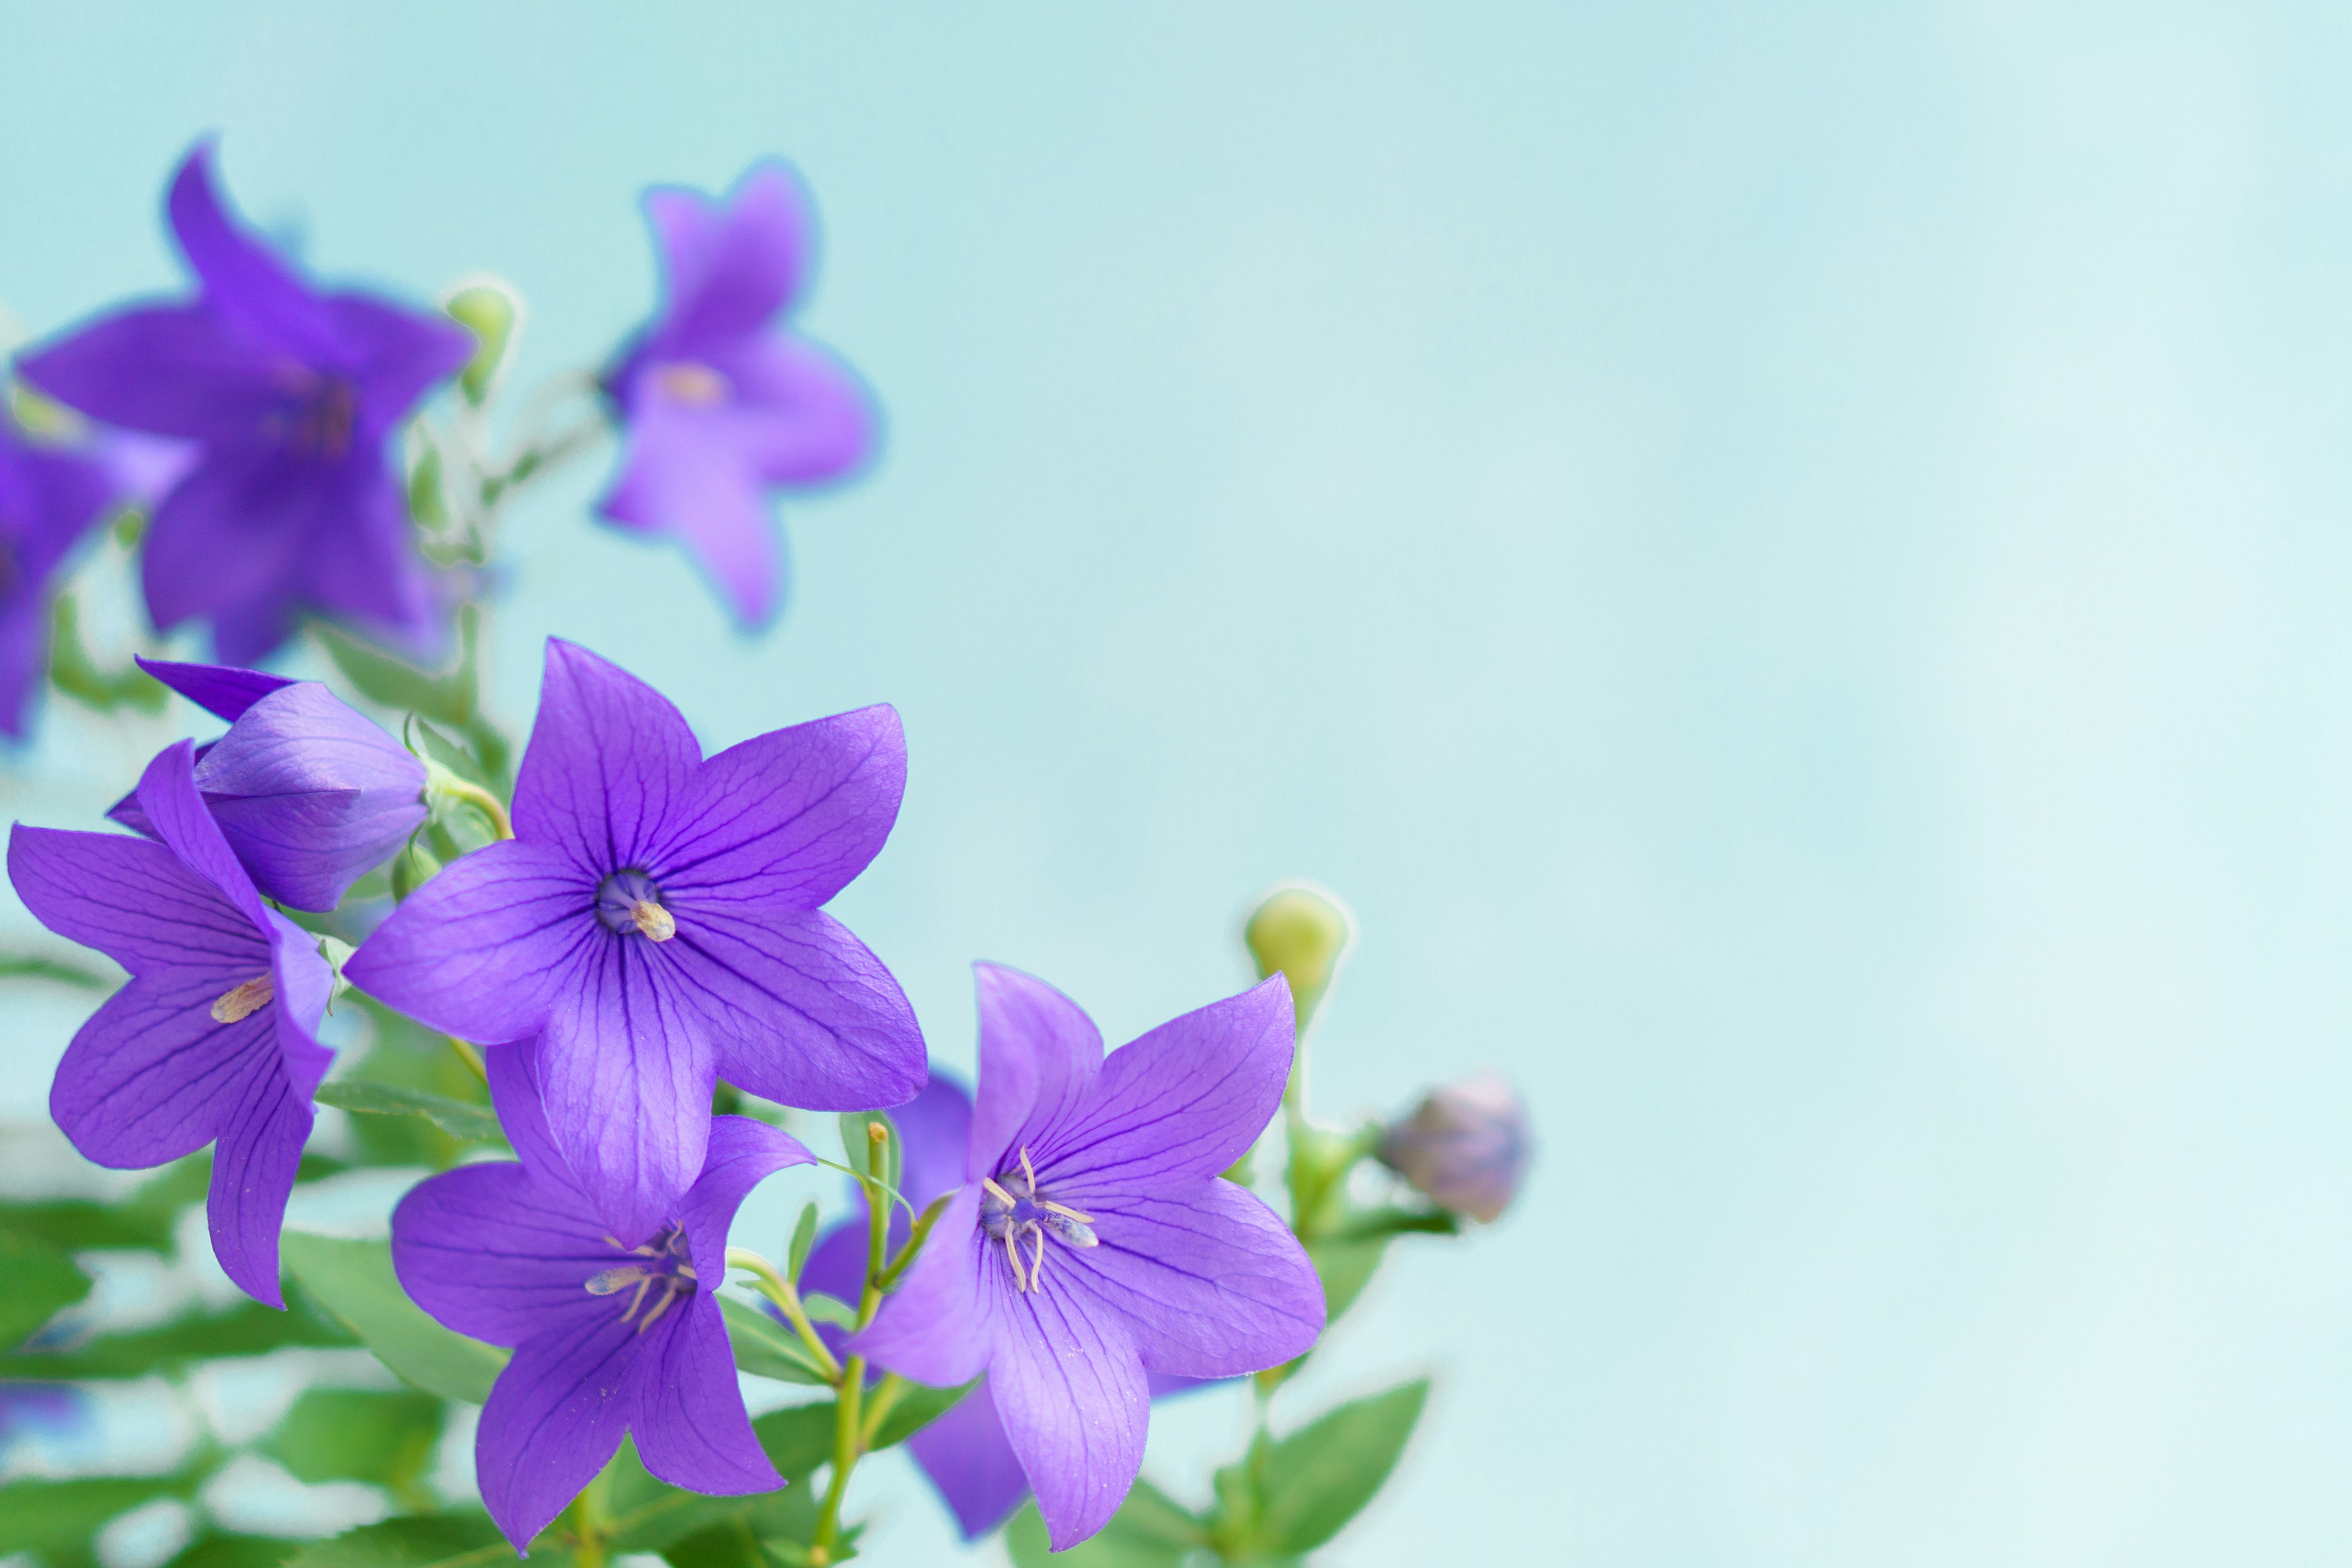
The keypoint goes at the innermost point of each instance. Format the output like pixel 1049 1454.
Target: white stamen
pixel 653 920
pixel 614 1279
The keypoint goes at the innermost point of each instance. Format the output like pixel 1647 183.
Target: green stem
pixel 848 1432
pixel 590 1526
pixel 778 1289
pixel 887 1395
pixel 915 1239
pixel 470 1056
pixel 492 809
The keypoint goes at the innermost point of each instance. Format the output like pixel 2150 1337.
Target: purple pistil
pixel 628 901
pixel 1014 1212
pixel 666 1265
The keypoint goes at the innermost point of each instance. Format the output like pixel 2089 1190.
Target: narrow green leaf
pixel 764 1347
pixel 54 1519
pixel 247 1328
pixel 42 1281
pixel 360 1435
pixel 1150 1531
pixel 142 1220
pixel 916 1408
pixel 1315 1480
pixel 468 1123
pixel 1345 1269
pixel 425 500
pixel 797 1439
pixel 75 673
pixel 824 1309
pixel 33 966
pixel 447 696
pixel 464 1538
pixel 803 1238
pixel 219 1549
pixel 353 1282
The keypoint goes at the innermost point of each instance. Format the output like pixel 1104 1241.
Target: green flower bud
pixel 1303 931
pixel 492 310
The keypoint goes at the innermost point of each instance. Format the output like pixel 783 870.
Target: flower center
pixel 324 420
pixel 1013 1211
pixel 628 901
pixel 239 1001
pixel 696 385
pixel 662 1268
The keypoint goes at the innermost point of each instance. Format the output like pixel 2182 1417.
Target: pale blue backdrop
pixel 1789 559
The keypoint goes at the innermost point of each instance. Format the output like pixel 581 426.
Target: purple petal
pixel 934 1126
pixel 798 1010
pixel 229 536
pixel 689 1417
pixel 971 1463
pixel 361 563
pixel 788 819
pixel 133 900
pixel 174 809
pixel 490 1251
pixel 219 690
pixel 626 1078
pixel 1039 1057
pixel 514 1072
pixel 395 355
pixel 302 981
pixel 151 1077
pixel 1069 1385
pixel 484 948
pixel 798 416
pixel 741 1154
pixel 1210 1283
pixel 610 762
pixel 553 1418
pixel 250 632
pixel 727 278
pixel 836 1267
pixel 682 476
pixel 1181 1103
pixel 241 276
pixel 170 370
pixel 48 497
pixel 23 659
pixel 936 1328
pixel 253 1173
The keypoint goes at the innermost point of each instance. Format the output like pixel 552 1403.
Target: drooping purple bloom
pixel 720 402
pixel 1095 1242
pixel 607 1338
pixel 293 394
pixel 657 916
pixel 48 497
pixel 213 1040
pixel 1465 1147
pixel 310 794
pixel 965 1453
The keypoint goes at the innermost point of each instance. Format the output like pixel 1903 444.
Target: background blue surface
pixel 1789 560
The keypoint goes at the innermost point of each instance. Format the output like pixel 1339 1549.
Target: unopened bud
pixel 1303 932
pixel 1465 1148
pixel 491 310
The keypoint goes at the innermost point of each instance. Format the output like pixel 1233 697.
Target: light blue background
pixel 1789 560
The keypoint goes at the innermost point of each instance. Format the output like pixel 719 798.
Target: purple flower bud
pixel 1465 1148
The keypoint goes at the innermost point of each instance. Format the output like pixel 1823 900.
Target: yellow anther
pixel 246 1000
pixel 653 920
pixel 698 385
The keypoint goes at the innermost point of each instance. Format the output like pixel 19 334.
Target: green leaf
pixel 142 1220
pixel 1315 1480
pixel 219 1549
pixel 857 1146
pixel 449 697
pixel 803 1238
pixel 353 1282
pixel 916 1408
pixel 464 1538
pixel 41 1280
pixel 1150 1531
pixel 764 1347
pixel 247 1328
pixel 1345 1268
pixel 797 1439
pixel 468 1123
pixel 55 1519
pixel 33 966
pixel 75 673
pixel 729 1544
pixel 360 1435
pixel 824 1309
pixel 424 502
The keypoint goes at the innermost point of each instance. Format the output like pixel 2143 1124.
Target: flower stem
pixel 887 1395
pixel 849 1431
pixel 481 800
pixel 915 1239
pixel 589 1525
pixel 778 1289
pixel 470 1056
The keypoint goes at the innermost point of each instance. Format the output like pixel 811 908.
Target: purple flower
pixel 656 915
pixel 1095 1244
pixel 293 394
pixel 721 405
pixel 965 1453
pixel 212 1040
pixel 47 1408
pixel 606 1338
pixel 1465 1147
pixel 48 497
pixel 310 795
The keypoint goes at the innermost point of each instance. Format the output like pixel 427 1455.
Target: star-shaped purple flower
pixel 606 1338
pixel 1095 1242
pixel 309 793
pixel 964 1453
pixel 48 497
pixel 293 394
pixel 657 916
pixel 214 1040
pixel 720 403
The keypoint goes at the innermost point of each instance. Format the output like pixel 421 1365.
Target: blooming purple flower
pixel 213 1040
pixel 1095 1243
pixel 965 1453
pixel 1465 1147
pixel 310 794
pixel 606 1338
pixel 48 497
pixel 657 916
pixel 720 404
pixel 293 394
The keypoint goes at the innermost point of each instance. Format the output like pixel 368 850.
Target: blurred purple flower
pixel 49 496
pixel 607 1338
pixel 965 1453
pixel 53 1407
pixel 214 1037
pixel 720 402
pixel 1095 1243
pixel 293 394
pixel 310 794
pixel 657 916
pixel 1465 1147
